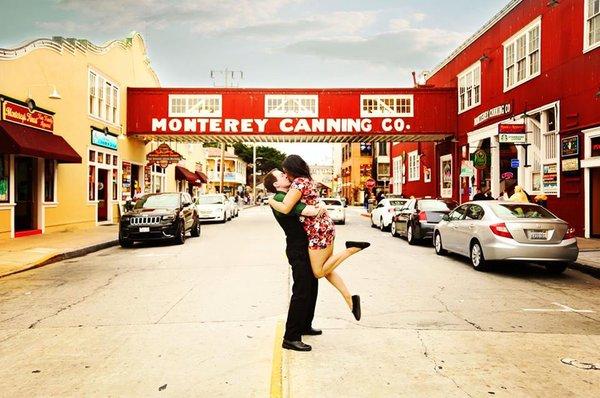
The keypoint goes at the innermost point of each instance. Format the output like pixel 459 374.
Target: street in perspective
pixel 300 199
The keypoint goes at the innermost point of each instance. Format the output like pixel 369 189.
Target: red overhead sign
pixel 262 112
pixel 507 128
pixel 17 113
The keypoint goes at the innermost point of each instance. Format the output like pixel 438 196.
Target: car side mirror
pixel 446 217
pixel 128 205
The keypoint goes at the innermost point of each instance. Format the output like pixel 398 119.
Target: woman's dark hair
pixel 294 166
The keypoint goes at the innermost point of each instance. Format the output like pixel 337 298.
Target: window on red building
pixel 469 87
pixel 522 55
pixel 592 24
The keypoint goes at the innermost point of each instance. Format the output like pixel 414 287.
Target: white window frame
pixel 162 178
pixel 383 109
pixel 101 101
pixel 277 106
pixel 200 109
pixel 475 82
pixel 586 27
pixel 414 166
pixel 397 176
pixel 512 42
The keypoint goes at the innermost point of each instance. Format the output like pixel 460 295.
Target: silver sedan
pixel 495 230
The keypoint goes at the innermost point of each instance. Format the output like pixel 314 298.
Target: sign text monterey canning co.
pixel 287 125
pixel 20 114
pixel 492 113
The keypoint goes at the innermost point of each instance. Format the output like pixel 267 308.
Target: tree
pixel 271 157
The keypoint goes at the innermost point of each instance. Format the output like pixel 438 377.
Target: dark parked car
pixel 159 216
pixel 418 217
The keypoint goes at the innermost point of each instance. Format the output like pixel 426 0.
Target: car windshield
pixel 397 202
pixel 521 210
pixel 166 201
pixel 436 205
pixel 332 202
pixel 210 200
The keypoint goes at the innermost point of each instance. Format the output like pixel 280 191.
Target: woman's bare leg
pixel 339 284
pixel 318 258
pixel 336 259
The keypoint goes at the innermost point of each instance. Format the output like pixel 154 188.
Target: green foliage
pixel 271 157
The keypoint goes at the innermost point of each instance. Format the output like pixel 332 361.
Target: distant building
pixel 234 174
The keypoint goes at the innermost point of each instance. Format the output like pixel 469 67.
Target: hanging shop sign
pixel 492 113
pixel 22 114
pixel 510 128
pixel 569 146
pixel 507 175
pixel 480 159
pixel 512 138
pixel 595 146
pixel 466 168
pixel 571 164
pixel 104 139
pixel 163 156
pixel 550 178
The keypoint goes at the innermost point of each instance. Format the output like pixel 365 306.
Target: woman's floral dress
pixel 320 230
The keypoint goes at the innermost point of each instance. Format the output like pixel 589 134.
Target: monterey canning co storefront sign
pixel 159 112
pixel 20 114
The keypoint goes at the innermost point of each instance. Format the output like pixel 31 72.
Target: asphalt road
pixel 201 320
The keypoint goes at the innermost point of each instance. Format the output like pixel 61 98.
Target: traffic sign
pixel 514 163
pixel 370 183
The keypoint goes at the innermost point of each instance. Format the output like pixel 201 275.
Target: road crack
pixel 435 296
pixel 437 368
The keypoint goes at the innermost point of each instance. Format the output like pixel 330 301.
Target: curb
pixel 586 269
pixel 65 256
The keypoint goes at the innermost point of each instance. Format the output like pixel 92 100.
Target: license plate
pixel 538 235
pixel 144 229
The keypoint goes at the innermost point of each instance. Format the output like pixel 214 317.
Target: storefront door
pixel 136 185
pixel 102 195
pixel 25 209
pixel 595 202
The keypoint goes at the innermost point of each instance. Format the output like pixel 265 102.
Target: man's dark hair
pixel 294 166
pixel 269 181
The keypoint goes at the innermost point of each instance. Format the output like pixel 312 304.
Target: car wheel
pixel 372 223
pixel 393 230
pixel 125 243
pixel 224 218
pixel 477 260
pixel 180 237
pixel 437 243
pixel 381 224
pixel 196 228
pixel 556 268
pixel 410 236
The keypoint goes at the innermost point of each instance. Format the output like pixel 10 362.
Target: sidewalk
pixel 29 252
pixel 589 256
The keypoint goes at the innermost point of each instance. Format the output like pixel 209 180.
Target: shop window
pixel 400 105
pixel 92 156
pixel 100 157
pixel 291 106
pixel 195 105
pixel 49 176
pixel 469 88
pixel 159 176
pixel 414 166
pixel 92 183
pixel 382 148
pixel 4 178
pixel 522 57
pixel 103 98
pixel 592 24
pixel 542 153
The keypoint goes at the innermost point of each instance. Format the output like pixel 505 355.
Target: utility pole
pixel 231 78
pixel 254 173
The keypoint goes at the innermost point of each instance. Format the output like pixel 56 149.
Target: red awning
pixel 203 177
pixel 22 140
pixel 181 173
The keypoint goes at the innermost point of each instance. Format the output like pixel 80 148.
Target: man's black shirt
pixel 294 232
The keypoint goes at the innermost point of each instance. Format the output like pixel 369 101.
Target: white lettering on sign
pixel 287 125
pixel 492 113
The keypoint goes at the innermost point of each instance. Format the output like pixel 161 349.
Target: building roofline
pixel 487 26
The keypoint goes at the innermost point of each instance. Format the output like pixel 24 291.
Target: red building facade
pixel 536 63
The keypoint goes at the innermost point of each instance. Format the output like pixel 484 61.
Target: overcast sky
pixel 276 43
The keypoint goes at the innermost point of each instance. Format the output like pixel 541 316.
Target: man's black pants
pixel 304 293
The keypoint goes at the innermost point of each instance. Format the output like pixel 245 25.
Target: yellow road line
pixel 276 376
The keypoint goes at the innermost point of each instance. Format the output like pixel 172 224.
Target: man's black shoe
pixel 356 307
pixel 312 332
pixel 295 345
pixel 360 245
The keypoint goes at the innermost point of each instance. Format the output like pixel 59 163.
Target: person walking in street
pixel 320 230
pixel 305 286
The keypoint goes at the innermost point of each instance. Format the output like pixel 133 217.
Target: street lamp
pixel 53 95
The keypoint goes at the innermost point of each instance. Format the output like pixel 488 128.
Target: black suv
pixel 159 216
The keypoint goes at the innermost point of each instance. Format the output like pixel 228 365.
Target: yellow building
pixel 234 174
pixel 357 160
pixel 77 93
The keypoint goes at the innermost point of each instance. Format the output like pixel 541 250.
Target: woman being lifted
pixel 319 229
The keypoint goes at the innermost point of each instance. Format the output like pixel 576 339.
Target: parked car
pixel 235 208
pixel 418 217
pixel 159 216
pixel 496 230
pixel 214 207
pixel 382 215
pixel 335 209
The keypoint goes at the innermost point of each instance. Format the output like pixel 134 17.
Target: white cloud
pixel 418 16
pixel 397 24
